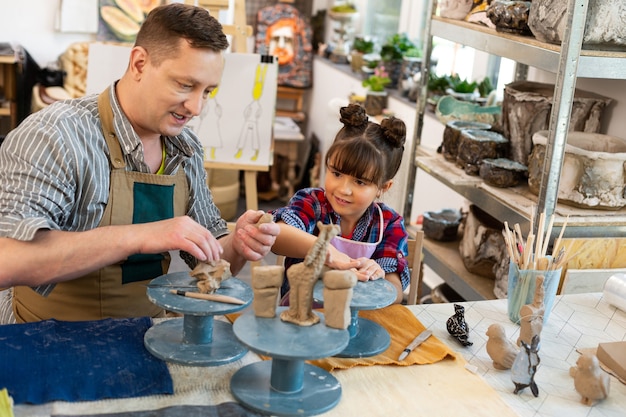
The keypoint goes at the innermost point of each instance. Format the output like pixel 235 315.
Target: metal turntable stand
pixel 196 339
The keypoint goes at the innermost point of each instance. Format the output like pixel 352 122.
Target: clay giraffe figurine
pixel 302 278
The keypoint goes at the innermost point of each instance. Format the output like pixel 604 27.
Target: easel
pixel 239 31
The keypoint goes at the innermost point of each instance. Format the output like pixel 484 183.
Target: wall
pixel 30 23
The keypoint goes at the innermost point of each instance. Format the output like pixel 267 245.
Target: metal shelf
pixel 528 50
pixel 513 205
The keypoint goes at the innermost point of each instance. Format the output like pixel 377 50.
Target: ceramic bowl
pixel 592 175
pixel 442 225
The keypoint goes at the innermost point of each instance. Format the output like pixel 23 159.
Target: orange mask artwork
pixel 280 39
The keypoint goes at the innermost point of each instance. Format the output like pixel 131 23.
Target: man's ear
pixel 138 60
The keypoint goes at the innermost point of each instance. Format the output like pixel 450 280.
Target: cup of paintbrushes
pixel 522 282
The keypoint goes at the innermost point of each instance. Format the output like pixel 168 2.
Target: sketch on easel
pixel 234 134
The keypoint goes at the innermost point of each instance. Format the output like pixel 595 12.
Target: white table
pixel 577 321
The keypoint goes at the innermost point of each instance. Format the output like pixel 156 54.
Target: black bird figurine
pixel 457 326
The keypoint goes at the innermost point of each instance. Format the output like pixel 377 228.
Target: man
pixel 95 191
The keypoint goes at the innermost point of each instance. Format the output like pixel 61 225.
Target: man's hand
pixel 253 240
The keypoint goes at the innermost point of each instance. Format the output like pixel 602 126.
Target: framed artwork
pixel 119 20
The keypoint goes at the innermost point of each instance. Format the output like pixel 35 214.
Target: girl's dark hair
pixel 367 150
pixel 165 27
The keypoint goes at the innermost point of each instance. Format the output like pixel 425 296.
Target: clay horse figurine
pixel 525 366
pixel 457 326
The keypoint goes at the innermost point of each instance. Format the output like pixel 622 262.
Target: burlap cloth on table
pixel 402 326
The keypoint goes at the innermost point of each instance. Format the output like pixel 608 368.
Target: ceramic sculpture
pixel 500 349
pixel 525 366
pixel 302 278
pixel 531 315
pixel 457 326
pixel 591 382
pixel 449 108
pixel 593 169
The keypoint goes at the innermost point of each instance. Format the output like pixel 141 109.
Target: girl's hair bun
pixel 353 115
pixel 394 131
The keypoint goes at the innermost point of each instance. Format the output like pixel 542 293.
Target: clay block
pixel 613 355
pixel 337 297
pixel 266 281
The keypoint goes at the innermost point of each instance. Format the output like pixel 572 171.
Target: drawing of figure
pixel 252 113
pixel 210 118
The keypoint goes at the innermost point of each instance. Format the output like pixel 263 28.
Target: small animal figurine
pixel 500 349
pixel 591 382
pixel 525 366
pixel 457 326
pixel 531 315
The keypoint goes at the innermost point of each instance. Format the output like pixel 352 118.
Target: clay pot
pixel 593 174
pixel 452 136
pixel 476 145
pixel 455 9
pixel 604 25
pixel 442 225
pixel 502 172
pixel 526 109
pixel 510 16
pixel 375 102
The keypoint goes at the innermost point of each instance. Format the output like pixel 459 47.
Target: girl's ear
pixel 386 186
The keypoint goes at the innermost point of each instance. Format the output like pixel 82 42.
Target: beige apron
pixel 118 290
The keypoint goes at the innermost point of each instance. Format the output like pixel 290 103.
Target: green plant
pixel 437 85
pixel 363 46
pixel 413 53
pixel 378 81
pixel 485 87
pixel 395 47
pixel 462 85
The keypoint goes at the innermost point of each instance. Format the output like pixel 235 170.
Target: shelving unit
pixel 568 61
pixel 8 106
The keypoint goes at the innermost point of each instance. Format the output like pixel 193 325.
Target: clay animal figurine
pixel 210 275
pixel 500 349
pixel 591 382
pixel 302 278
pixel 525 366
pixel 457 326
pixel 531 315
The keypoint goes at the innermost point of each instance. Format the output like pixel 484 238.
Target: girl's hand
pixel 369 270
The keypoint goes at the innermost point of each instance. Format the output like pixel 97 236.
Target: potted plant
pixel 411 65
pixel 392 53
pixel 376 96
pixel 360 47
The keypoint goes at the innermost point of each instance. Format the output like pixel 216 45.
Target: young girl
pixel 360 166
